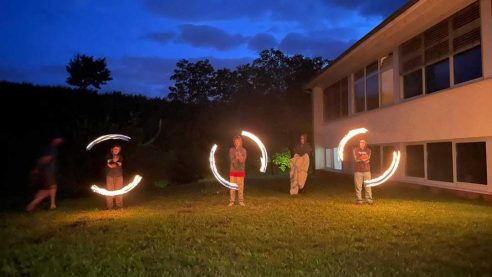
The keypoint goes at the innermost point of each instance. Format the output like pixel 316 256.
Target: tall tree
pixel 193 82
pixel 85 71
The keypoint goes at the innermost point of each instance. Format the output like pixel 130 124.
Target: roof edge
pixel 381 25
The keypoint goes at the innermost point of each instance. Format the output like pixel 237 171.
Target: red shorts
pixel 237 174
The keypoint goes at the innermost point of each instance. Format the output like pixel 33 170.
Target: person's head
pixel 56 142
pixel 237 141
pixel 362 143
pixel 115 150
pixel 302 139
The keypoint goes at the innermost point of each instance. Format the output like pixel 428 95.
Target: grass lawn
pixel 189 230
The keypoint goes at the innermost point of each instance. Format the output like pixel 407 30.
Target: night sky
pixel 143 39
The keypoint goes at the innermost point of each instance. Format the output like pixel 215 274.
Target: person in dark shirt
pixel 299 165
pixel 44 175
pixel 114 176
pixel 362 171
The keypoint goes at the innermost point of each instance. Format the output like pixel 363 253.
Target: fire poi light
pixel 219 178
pixel 387 174
pixel 123 190
pixel 107 137
pixel 263 159
pixel 264 154
pixel 346 138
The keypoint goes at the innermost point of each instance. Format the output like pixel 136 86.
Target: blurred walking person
pixel 299 165
pixel 44 175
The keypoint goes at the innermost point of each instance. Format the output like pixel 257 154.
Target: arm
pixel 232 156
pixel 368 157
pixel 119 162
pixel 110 164
pixel 356 157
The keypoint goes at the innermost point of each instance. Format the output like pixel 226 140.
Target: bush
pixel 282 159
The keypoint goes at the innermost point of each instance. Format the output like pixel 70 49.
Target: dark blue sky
pixel 143 39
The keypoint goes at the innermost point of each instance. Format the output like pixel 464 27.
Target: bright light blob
pixel 107 137
pixel 123 190
pixel 346 138
pixel 219 178
pixel 264 154
pixel 387 174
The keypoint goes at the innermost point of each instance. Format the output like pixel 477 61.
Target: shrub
pixel 282 159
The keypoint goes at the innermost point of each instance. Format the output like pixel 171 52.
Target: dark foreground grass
pixel 188 230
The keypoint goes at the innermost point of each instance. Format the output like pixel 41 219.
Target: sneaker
pixel 359 202
pixel 242 204
pixel 230 204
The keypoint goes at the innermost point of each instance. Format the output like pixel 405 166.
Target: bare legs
pixel 40 196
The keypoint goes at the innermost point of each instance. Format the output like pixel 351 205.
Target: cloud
pixel 209 37
pixel 193 10
pixel 150 76
pixel 160 37
pixel 381 8
pixel 290 10
pixel 44 74
pixel 313 45
pixel 261 42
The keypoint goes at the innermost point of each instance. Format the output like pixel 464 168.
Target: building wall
pixel 460 113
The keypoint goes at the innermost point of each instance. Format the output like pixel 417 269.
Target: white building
pixel 421 82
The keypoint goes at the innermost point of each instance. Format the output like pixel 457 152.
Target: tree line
pixel 171 137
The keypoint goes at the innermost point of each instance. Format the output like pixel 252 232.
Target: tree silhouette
pixel 193 82
pixel 85 71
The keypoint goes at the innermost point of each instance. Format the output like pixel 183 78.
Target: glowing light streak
pixel 264 154
pixel 107 137
pixel 123 190
pixel 346 138
pixel 387 174
pixel 219 178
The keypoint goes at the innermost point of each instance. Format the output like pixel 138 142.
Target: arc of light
pixel 107 137
pixel 264 154
pixel 346 138
pixel 387 174
pixel 219 178
pixel 125 189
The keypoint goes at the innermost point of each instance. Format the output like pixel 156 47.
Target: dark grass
pixel 188 230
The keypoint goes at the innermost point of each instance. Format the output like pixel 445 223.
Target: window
pixel 471 162
pixel 440 161
pixel 337 163
pixel 335 99
pixel 372 86
pixel 466 44
pixel 412 84
pixel 387 156
pixel 437 76
pixel 468 65
pixel 329 158
pixel 375 161
pixel 387 97
pixel 428 54
pixel 366 88
pixel 359 94
pixel 344 97
pixel 415 161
